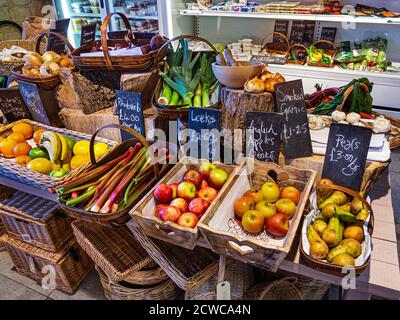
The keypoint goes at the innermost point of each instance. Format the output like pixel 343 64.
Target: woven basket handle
pixel 58 35
pixel 325 41
pixel 290 281
pixel 263 45
pixel 104 36
pixel 136 134
pixel 184 36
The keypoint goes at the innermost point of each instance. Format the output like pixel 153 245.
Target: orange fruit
pixel 19 137
pixel 7 147
pixel 24 128
pixel 37 135
pixel 1 139
pixel 22 149
pixel 23 160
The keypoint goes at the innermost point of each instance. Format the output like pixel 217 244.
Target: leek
pixel 166 94
pixel 207 78
pixel 174 99
pixel 197 97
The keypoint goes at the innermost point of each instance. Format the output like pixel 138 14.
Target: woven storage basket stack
pixel 126 270
pixel 38 235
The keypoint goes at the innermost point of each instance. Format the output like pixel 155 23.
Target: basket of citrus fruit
pixel 41 156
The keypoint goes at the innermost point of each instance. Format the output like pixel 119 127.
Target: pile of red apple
pixel 269 208
pixel 184 203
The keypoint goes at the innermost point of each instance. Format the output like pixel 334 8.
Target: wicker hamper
pixel 2 231
pixel 71 264
pixel 36 221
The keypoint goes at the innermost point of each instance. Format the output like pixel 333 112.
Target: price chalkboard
pixel 281 26
pixel 54 43
pixel 12 105
pixel 31 95
pixel 269 59
pixel 263 135
pixel 298 32
pixel 130 112
pixel 296 132
pixel 88 33
pixel 346 155
pixel 309 32
pixel 204 133
pixel 328 34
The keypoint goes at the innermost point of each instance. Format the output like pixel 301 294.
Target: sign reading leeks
pixel 263 135
pixel 204 133
pixel 346 155
pixel 130 112
pixel 296 133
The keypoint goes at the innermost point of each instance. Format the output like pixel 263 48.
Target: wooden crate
pixel 70 265
pixel 143 212
pixel 225 235
pixel 35 220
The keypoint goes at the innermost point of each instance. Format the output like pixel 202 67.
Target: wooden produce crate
pixel 35 220
pixel 189 269
pixel 70 265
pixel 10 169
pixel 225 235
pixel 152 226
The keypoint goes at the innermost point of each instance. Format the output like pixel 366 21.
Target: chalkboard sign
pixel 263 135
pixel 54 43
pixel 30 93
pixel 204 133
pixel 115 35
pixel 12 105
pixel 328 34
pixel 269 59
pixel 309 32
pixel 346 155
pixel 296 132
pixel 88 33
pixel 130 112
pixel 298 32
pixel 281 26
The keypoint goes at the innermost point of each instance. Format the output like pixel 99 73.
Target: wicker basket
pixel 301 62
pixel 47 83
pixel 165 290
pixel 329 267
pixel 224 233
pixel 239 275
pixel 330 52
pixel 29 45
pixel 2 231
pixel 122 63
pixel 394 134
pixel 12 170
pixel 174 112
pixel 188 269
pixel 283 289
pixel 143 212
pixel 71 264
pixel 276 48
pixel 117 253
pixel 119 217
pixel 35 220
pixel 6 192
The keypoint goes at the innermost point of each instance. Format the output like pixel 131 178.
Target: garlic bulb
pixel 353 117
pixel 338 115
pixel 381 125
pixel 254 85
pixel 316 122
pixel 343 122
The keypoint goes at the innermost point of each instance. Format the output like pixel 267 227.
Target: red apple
pixel 194 177
pixel 217 178
pixel 255 195
pixel 205 169
pixel 270 191
pixel 174 187
pixel 204 184
pixel 208 194
pixel 163 193
pixel 277 224
pixel 186 190
pixel 242 205
pixel 286 206
pixel 253 221
pixel 158 208
pixel 169 213
pixel 181 204
pixel 291 193
pixel 266 208
pixel 198 206
pixel 188 220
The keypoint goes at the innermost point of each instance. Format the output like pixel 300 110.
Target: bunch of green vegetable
pixel 188 78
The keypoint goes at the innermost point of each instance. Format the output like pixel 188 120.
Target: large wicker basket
pixel 122 63
pixel 276 48
pixel 282 289
pixel 14 171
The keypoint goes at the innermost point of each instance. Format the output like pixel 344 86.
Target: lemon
pixel 79 160
pixel 100 148
pixel 81 147
pixel 41 165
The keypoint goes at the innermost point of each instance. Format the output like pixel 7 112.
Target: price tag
pixel 281 26
pixel 224 291
pixel 270 59
pixel 31 264
pixel 298 32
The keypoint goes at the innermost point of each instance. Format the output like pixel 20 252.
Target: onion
pixel 66 63
pixel 51 56
pixel 33 59
pixel 49 69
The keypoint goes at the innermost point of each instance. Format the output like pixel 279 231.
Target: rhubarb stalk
pixel 73 202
